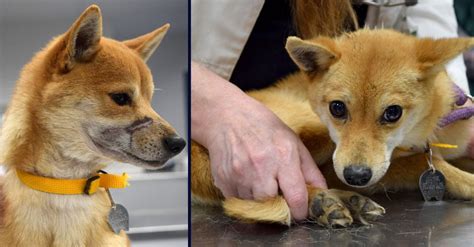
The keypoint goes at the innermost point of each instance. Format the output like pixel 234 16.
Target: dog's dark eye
pixel 121 99
pixel 338 109
pixel 392 114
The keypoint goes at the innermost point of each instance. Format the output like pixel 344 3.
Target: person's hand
pixel 253 153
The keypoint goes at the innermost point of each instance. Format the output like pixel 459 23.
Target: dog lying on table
pixel 369 106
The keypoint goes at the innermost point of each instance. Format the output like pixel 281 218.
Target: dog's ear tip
pixel 293 39
pixel 93 8
pixel 93 11
pixel 146 44
pixel 164 28
pixel 90 14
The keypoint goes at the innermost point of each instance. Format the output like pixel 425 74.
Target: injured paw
pixel 329 211
pixel 363 209
pixel 337 208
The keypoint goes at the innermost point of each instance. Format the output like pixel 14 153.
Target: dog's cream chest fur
pixel 56 220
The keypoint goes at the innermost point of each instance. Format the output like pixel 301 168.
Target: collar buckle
pixel 91 187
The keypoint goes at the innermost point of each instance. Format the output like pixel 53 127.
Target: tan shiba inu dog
pixel 82 101
pixel 363 104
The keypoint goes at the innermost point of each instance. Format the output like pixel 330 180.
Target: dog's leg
pixel 202 185
pixel 459 184
pixel 274 210
pixel 328 208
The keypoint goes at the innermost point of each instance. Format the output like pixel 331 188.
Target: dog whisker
pixel 385 191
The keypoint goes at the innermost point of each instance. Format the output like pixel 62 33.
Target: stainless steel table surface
pixel 409 221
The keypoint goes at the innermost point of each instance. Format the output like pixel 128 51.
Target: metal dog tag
pixel 118 218
pixel 432 185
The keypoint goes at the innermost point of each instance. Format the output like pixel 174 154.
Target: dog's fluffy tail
pixel 273 210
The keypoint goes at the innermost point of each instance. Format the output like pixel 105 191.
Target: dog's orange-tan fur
pixel 48 129
pixel 368 70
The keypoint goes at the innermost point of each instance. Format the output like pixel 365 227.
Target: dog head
pixel 376 90
pixel 89 97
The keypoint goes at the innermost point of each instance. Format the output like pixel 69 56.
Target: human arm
pixel 253 153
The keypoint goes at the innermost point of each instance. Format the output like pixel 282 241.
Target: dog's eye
pixel 121 99
pixel 392 114
pixel 338 109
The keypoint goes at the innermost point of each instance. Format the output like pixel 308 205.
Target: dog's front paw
pixel 329 210
pixel 332 208
pixel 362 208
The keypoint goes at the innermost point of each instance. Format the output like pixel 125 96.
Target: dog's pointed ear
pixel 146 44
pixel 432 54
pixel 82 40
pixel 314 55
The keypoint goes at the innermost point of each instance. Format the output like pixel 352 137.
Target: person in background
pixel 238 46
pixel 465 16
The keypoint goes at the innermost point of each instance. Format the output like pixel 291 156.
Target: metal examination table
pixel 409 221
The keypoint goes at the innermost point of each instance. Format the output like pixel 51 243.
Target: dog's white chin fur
pixel 124 157
pixel 377 174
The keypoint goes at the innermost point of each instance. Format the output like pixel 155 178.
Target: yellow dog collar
pixel 73 186
pixel 433 144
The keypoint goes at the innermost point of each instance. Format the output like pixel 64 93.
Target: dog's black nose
pixel 357 175
pixel 174 143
